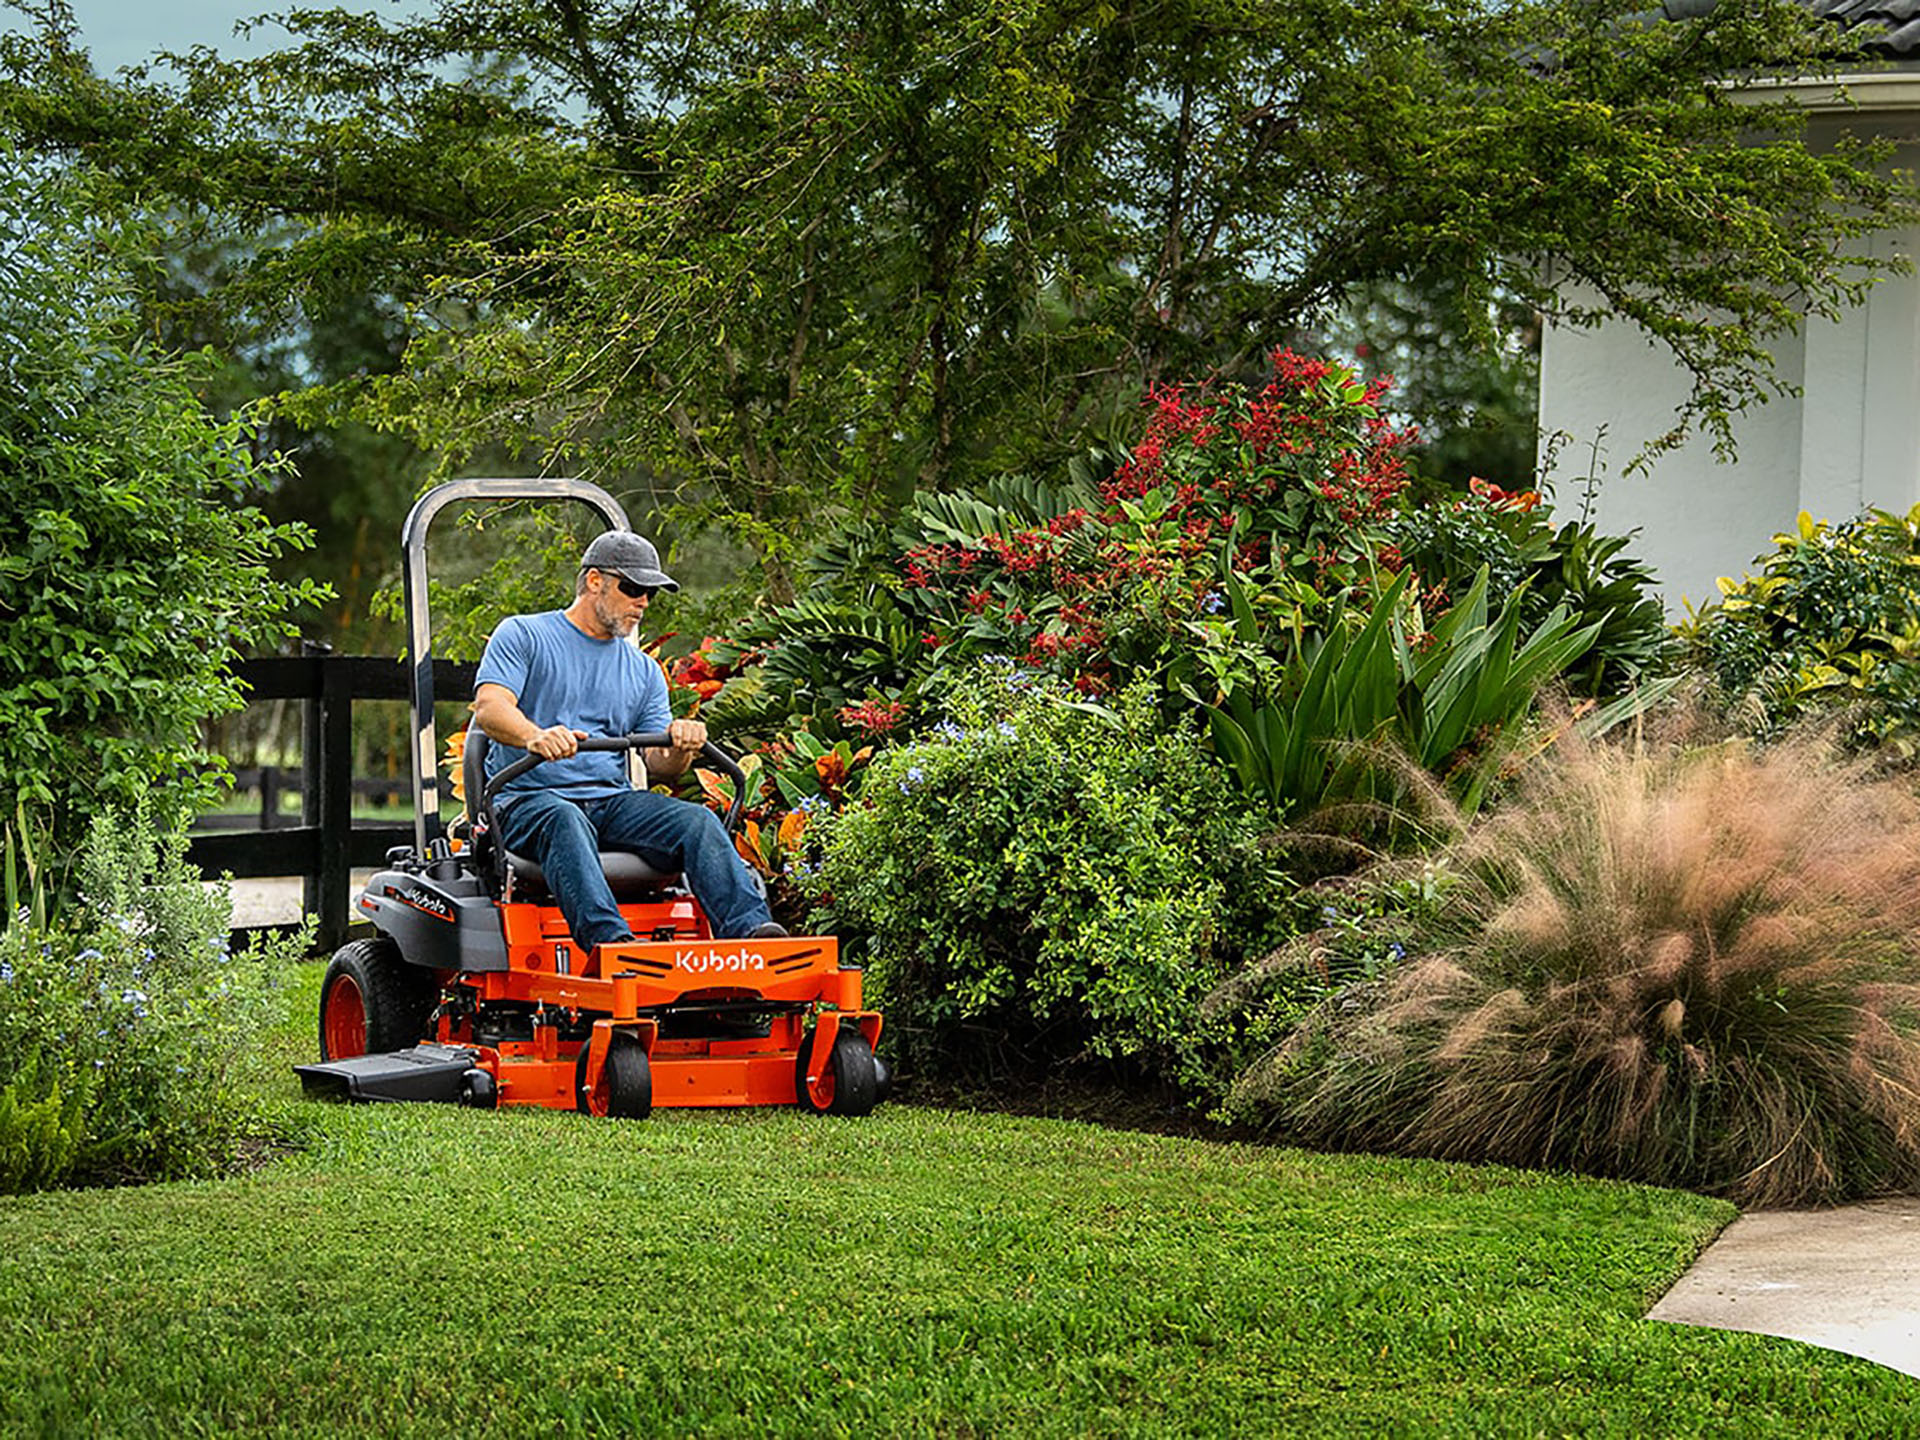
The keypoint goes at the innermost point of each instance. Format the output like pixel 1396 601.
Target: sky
pixel 127 32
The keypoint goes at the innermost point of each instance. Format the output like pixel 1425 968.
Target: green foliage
pixel 23 881
pixel 1466 365
pixel 780 259
pixel 1343 713
pixel 1098 584
pixel 1684 964
pixel 1241 561
pixel 1042 881
pixel 123 1020
pixel 39 1138
pixel 1830 623
pixel 131 570
pixel 1544 567
pixel 490 561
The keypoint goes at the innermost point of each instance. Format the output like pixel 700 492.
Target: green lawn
pixel 434 1272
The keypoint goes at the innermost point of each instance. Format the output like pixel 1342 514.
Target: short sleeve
pixel 507 658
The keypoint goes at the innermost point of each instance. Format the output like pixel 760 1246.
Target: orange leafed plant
pixel 454 761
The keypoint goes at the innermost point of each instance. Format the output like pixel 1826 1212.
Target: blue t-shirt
pixel 562 676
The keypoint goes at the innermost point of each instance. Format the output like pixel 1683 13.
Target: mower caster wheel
pixel 849 1083
pixel 625 1091
pixel 478 1090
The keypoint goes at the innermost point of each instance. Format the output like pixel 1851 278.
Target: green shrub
pixel 122 1020
pixel 1347 710
pixel 131 570
pixel 1041 881
pixel 1692 966
pixel 1570 566
pixel 1831 623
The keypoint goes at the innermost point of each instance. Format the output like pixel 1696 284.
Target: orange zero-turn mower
pixel 472 991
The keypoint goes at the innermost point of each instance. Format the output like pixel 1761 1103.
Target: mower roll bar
pixel 427 830
pixel 709 752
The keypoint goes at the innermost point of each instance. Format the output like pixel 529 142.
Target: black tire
pixel 478 1090
pixel 626 1084
pixel 372 1001
pixel 850 1083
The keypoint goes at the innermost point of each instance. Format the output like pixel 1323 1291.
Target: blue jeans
pixel 564 837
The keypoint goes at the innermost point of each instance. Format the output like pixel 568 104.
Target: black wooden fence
pixel 326 845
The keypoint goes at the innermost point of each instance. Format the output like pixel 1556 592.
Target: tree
pixel 766 255
pixel 131 571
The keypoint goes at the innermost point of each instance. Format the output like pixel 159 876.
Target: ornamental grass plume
pixel 1687 964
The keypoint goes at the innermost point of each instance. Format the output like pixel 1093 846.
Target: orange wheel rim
pixel 344 1023
pixel 822 1089
pixel 596 1099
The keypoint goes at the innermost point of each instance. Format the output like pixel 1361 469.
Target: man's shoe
pixel 772 930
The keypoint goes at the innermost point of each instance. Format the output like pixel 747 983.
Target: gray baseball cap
pixel 623 553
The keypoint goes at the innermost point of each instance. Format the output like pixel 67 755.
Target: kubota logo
pixel 719 962
pixel 421 900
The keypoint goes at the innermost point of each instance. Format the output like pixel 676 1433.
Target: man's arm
pixel 496 710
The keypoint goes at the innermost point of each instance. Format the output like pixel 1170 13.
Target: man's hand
pixel 689 737
pixel 556 742
pixel 685 740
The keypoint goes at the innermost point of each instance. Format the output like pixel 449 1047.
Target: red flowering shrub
pixel 1295 479
pixel 1246 526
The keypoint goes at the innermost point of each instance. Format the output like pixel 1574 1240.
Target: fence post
pixel 327 797
pixel 313 716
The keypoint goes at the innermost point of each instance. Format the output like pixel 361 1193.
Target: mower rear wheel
pixel 625 1091
pixel 849 1082
pixel 372 1001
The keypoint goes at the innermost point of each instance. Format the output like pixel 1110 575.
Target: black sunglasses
pixel 631 590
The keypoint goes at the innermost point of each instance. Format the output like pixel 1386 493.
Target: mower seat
pixel 628 876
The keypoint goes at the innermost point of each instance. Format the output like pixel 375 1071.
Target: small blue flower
pixel 950 730
pixel 913 777
pixel 813 804
pixel 1214 602
pixel 1007 731
pixel 1399 950
pixel 1329 915
pixel 6 973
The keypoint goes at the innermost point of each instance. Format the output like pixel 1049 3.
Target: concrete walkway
pixel 1846 1279
pixel 276 901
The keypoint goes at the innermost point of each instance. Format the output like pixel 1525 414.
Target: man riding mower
pixel 629 960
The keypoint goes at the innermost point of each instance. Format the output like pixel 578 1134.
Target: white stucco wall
pixel 1697 518
pixel 1851 439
